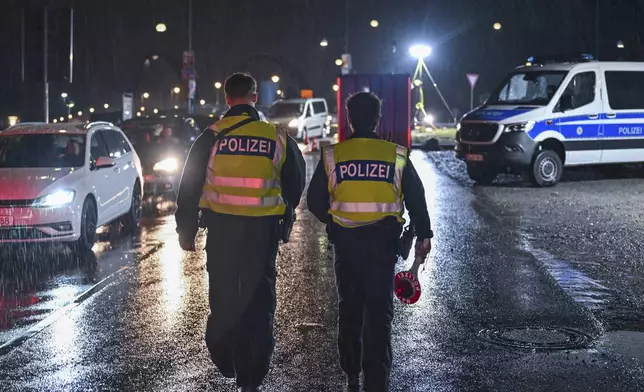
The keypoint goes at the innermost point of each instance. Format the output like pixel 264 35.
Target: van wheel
pixel 547 169
pixel 481 175
pixel 87 238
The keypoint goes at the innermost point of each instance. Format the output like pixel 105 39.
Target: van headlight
pixel 294 123
pixel 170 165
pixel 519 127
pixel 55 199
pixel 458 126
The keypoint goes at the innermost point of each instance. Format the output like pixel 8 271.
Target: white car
pixel 60 182
pixel 303 118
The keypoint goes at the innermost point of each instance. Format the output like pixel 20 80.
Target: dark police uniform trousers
pixel 365 258
pixel 241 255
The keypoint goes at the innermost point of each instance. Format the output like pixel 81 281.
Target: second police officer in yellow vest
pixel 358 190
pixel 243 184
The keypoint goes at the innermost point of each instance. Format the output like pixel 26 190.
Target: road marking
pixel 7 347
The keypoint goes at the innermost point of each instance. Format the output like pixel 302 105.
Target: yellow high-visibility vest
pixel 244 170
pixel 365 180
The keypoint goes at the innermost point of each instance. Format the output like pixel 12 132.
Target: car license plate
pixel 474 157
pixel 6 220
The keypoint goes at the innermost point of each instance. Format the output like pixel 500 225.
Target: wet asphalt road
pixel 568 257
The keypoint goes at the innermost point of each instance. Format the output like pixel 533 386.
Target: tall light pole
pixel 189 24
pixel 596 29
pixel 46 61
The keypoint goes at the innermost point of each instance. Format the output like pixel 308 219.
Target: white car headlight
pixel 170 165
pixel 294 123
pixel 56 199
pixel 519 127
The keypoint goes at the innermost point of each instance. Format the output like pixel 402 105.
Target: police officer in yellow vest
pixel 358 190
pixel 243 184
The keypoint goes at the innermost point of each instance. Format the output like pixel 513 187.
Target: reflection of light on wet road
pixel 173 279
pixel 63 345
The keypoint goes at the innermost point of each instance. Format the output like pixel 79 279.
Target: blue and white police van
pixel 550 114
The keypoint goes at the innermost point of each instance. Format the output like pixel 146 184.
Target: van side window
pixel 319 107
pixel 581 89
pixel 625 89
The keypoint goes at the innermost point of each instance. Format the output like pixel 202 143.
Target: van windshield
pixel 528 88
pixel 286 109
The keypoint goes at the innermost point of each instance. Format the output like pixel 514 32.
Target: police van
pixel 556 113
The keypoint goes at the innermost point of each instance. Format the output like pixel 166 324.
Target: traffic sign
pixel 472 78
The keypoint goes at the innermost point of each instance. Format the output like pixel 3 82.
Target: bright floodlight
pixel 420 51
pixel 161 28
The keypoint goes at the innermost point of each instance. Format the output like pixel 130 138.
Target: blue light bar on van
pixel 560 58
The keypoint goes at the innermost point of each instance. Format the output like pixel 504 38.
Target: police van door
pixel 624 111
pixel 580 108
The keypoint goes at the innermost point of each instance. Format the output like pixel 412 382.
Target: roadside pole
pixel 472 79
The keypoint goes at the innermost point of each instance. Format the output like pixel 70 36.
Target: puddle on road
pixel 590 293
pixel 41 282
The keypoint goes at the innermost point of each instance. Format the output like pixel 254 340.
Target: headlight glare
pixel 55 199
pixel 170 165
pixel 294 123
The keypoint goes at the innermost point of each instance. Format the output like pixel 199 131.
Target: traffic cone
pixel 314 145
pixel 306 139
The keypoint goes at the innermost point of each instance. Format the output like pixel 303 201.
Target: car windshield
pixel 528 88
pixel 42 150
pixel 286 109
pixel 143 133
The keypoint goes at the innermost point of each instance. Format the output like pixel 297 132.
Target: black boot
pixel 353 383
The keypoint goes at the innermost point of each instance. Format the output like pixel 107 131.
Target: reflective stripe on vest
pixel 366 207
pixel 243 182
pixel 270 201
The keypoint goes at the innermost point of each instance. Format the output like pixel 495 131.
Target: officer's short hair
pixel 240 85
pixel 364 111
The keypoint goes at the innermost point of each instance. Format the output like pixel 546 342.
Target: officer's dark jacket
pixel 412 187
pixel 195 170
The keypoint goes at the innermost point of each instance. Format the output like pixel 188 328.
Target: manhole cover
pixel 539 338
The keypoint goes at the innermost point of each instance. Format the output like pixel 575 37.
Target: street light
pixel 620 44
pixel 420 51
pixel 217 85
pixel 275 78
pixel 138 114
pixel 106 106
pixel 279 92
pixel 176 90
pixel 146 95
pixel 71 105
pixel 80 113
pixel 63 95
pixel 156 111
pixel 497 26
pixel 62 119
pixel 324 43
pixel 176 107
pixel 161 28
pixel 336 87
pixel 338 62
pixel 69 116
pixel 142 108
pixel 55 120
pixel 202 102
pixel 91 110
pixel 417 82
pixel 374 23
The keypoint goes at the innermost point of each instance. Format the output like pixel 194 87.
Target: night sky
pixel 113 38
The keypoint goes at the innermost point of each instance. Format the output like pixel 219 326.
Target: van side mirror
pixel 565 103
